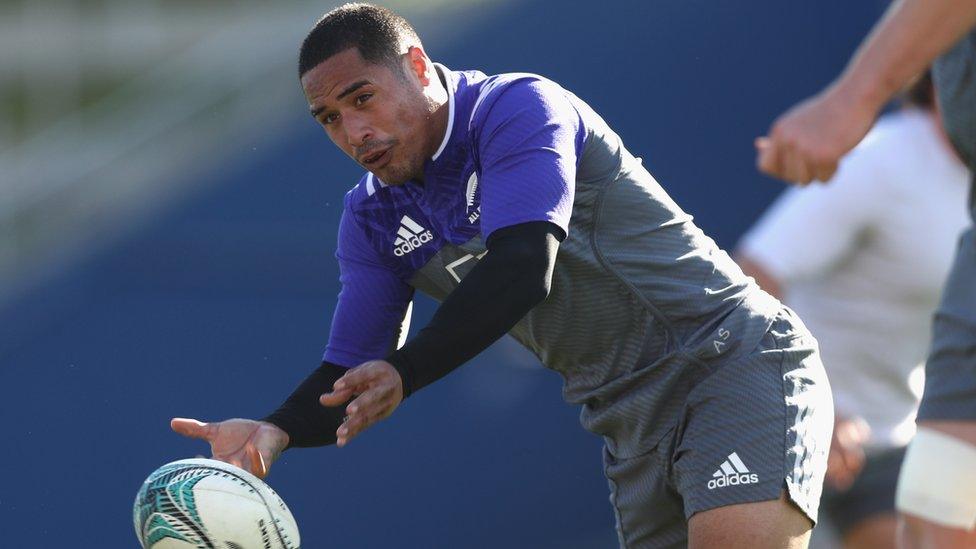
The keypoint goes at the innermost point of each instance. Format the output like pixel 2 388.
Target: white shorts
pixel 938 480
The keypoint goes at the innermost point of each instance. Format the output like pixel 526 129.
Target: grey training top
pixel 643 305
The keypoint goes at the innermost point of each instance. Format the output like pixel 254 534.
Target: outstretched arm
pixel 806 143
pixel 373 306
pixel 502 288
pixel 909 37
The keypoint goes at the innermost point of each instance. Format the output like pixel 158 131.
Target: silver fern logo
pixel 469 198
pixel 472 188
pixel 168 507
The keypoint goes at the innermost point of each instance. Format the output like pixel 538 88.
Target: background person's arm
pixel 806 143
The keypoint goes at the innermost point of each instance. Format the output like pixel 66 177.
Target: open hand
pixel 248 444
pixel 379 389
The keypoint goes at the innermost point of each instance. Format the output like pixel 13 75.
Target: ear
pixel 420 65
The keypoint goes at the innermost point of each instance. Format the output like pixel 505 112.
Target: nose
pixel 359 131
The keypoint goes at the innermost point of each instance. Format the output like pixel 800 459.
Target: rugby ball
pixel 209 504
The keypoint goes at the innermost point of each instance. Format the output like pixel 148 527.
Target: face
pixel 381 119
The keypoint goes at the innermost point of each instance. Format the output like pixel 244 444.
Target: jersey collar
pixel 448 78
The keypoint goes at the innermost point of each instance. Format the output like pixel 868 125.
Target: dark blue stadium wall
pixel 220 307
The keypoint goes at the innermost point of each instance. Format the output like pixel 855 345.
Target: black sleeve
pixel 306 421
pixel 500 290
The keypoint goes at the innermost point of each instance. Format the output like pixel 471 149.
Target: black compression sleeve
pixel 503 287
pixel 306 421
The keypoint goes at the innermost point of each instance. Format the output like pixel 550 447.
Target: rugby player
pixel 937 485
pixel 513 203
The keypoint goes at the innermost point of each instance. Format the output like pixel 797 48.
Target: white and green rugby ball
pixel 209 504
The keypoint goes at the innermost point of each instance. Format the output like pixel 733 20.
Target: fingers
pixel 851 451
pixel 335 398
pixel 839 473
pixel 379 391
pixel 349 429
pixel 257 464
pixel 825 171
pixel 361 413
pixel 370 403
pixel 356 380
pixel 364 411
pixel 192 428
pixel 360 376
pixel 834 469
pixel 767 158
pixel 780 159
pixel 846 457
pixel 796 166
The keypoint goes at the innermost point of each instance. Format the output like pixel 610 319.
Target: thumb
pixel 192 428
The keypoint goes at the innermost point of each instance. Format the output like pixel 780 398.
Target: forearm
pixel 908 38
pixel 303 418
pixel 506 284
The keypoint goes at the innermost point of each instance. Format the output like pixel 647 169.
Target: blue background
pixel 222 305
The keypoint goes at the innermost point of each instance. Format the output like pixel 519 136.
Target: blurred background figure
pixel 852 258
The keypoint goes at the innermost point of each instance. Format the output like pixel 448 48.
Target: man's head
pixel 374 90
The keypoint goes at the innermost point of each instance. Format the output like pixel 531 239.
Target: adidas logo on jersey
pixel 732 473
pixel 410 237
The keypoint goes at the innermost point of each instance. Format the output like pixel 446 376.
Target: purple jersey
pixel 505 133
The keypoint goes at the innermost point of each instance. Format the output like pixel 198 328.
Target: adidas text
pixel 410 244
pixel 733 480
pixel 411 236
pixel 732 472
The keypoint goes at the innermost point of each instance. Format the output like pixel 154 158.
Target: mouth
pixel 376 159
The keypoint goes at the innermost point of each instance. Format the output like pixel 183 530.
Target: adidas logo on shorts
pixel 732 473
pixel 410 236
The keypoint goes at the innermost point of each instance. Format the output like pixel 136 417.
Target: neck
pixel 437 98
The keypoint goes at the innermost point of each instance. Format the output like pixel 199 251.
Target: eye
pixel 360 99
pixel 330 118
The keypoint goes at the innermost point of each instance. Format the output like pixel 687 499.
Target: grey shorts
pixel 950 371
pixel 756 427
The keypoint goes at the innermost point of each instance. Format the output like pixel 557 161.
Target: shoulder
pixel 361 204
pixel 362 192
pixel 504 95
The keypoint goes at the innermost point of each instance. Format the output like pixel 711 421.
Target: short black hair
pixel 380 35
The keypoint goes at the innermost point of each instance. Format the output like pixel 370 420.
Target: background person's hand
pixel 846 457
pixel 248 444
pixel 378 390
pixel 808 141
